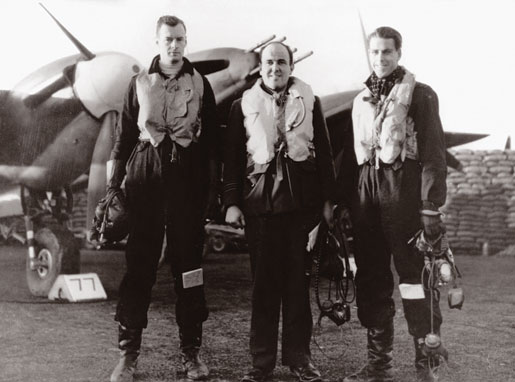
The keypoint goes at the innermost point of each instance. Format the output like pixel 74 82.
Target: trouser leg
pixel 297 319
pixel 399 194
pixel 142 255
pixel 374 279
pixel 265 247
pixel 400 205
pixel 185 235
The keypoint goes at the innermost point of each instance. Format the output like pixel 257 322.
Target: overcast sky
pixel 463 49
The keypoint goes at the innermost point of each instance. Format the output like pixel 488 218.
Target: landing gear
pixel 52 250
pixel 56 251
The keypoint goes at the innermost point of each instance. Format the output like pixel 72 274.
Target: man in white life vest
pixel 400 150
pixel 278 179
pixel 167 144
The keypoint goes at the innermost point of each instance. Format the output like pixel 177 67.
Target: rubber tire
pixel 65 252
pixel 218 244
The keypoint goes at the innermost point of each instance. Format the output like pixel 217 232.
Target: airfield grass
pixel 42 341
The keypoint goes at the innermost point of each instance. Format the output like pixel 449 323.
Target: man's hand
pixel 432 224
pixel 328 213
pixel 234 217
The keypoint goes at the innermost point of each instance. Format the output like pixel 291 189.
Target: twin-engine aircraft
pixel 56 133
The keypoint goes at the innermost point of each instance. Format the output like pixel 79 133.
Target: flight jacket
pixel 430 138
pixel 199 160
pixel 307 184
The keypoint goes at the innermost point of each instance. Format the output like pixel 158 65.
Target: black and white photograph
pixel 248 191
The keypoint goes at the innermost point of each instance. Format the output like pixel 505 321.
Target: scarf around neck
pixel 382 86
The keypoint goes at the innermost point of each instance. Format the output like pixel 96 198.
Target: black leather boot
pixel 129 343
pixel 191 339
pixel 379 354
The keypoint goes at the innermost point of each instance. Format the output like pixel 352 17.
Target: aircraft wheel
pixel 57 251
pixel 218 244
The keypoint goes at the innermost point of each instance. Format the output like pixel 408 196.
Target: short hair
pixel 387 32
pixel 169 20
pixel 290 52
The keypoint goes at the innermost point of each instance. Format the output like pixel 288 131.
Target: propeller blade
pixel 365 41
pixel 97 172
pixel 66 79
pixel 82 49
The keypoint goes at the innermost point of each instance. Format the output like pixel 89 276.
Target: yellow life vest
pixel 169 106
pixel 257 108
pixel 385 129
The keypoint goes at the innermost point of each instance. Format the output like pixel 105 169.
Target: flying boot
pixel 428 358
pixel 191 339
pixel 379 354
pixel 129 343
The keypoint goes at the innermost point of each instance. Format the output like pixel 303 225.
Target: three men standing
pixel 279 180
pixel 278 176
pixel 400 149
pixel 167 143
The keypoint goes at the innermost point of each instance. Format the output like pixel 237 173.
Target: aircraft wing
pixel 337 109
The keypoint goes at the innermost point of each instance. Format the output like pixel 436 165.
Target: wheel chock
pixel 77 288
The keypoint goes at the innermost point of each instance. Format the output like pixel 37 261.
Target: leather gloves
pixel 431 223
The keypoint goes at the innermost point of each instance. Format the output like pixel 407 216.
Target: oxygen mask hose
pixel 439 269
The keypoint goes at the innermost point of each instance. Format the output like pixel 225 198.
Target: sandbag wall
pixel 480 208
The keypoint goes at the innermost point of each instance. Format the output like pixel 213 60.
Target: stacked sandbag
pixel 480 208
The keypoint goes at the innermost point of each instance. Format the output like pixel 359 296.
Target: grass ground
pixel 41 341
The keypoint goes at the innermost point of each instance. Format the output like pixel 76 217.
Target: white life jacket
pixel 169 106
pixel 385 129
pixel 262 134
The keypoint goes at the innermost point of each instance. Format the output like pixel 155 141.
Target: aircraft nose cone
pixel 101 83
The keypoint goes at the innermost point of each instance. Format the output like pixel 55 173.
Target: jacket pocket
pixel 180 103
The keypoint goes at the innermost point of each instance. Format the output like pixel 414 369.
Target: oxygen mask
pixel 337 311
pixel 439 266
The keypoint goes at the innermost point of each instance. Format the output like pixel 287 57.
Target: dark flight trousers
pixel 386 214
pixel 277 246
pixel 161 194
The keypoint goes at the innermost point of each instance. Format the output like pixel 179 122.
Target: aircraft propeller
pixel 85 52
pixel 99 81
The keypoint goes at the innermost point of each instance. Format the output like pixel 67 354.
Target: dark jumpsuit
pixel 385 212
pixel 277 227
pixel 166 196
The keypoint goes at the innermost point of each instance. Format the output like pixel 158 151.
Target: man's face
pixel 383 56
pixel 275 67
pixel 171 42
